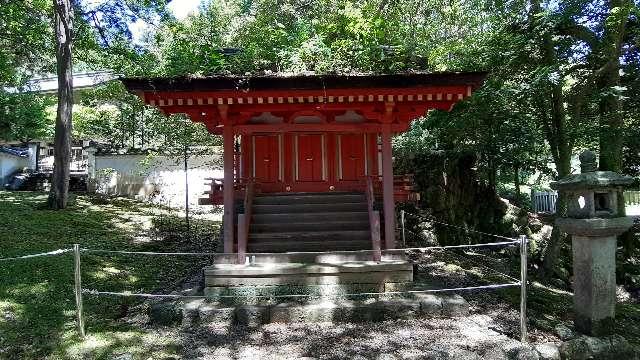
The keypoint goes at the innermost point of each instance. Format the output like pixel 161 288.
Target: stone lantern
pixel 595 217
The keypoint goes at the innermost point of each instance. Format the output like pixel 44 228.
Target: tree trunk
pixel 557 137
pixel 516 183
pixel 611 121
pixel 62 142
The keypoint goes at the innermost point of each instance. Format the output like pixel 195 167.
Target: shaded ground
pixel 36 295
pixel 464 338
pixel 37 307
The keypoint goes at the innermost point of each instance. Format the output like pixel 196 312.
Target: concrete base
pixel 594 272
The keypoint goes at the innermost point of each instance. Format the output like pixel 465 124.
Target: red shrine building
pixel 308 163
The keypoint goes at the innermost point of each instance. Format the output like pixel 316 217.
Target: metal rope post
pixel 78 289
pixel 523 288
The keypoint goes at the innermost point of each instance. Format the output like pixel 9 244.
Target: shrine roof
pixel 303 82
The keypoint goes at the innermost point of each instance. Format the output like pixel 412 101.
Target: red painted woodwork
pixel 267 158
pixel 352 156
pixel 310 159
pixel 287 156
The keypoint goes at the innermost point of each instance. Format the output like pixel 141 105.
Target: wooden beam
pixel 332 127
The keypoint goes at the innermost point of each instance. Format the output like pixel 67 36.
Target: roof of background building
pixel 49 84
pixel 303 82
pixel 14 151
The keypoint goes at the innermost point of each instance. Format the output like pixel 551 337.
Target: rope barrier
pixel 197 297
pixel 460 227
pixel 50 253
pixel 465 258
pixel 503 243
pixel 150 252
pixel 425 248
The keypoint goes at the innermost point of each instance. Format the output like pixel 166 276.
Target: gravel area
pixel 489 332
pixel 472 337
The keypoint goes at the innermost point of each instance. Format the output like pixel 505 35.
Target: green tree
pixel 23 117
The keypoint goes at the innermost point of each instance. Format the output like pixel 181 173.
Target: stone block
pixel 454 305
pixel 584 347
pixel 548 351
pixel 522 352
pixel 399 308
pixel 190 315
pixel 210 314
pixel 430 305
pixel 251 315
pixel 166 313
pixel 360 311
pixel 564 332
pixel 325 311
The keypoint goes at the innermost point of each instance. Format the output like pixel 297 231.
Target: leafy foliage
pixel 23 117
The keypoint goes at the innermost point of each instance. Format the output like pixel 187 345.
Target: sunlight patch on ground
pixel 453 268
pixel 10 311
pixel 37 289
pixel 111 344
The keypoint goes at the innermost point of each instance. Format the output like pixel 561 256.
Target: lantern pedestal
pixel 595 218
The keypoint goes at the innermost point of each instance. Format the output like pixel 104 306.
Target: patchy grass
pixel 37 307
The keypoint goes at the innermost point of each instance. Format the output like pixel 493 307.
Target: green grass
pixel 37 307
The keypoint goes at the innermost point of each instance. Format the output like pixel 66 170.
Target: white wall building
pixel 159 179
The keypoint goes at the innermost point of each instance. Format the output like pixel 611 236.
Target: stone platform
pixel 307 273
pixel 203 312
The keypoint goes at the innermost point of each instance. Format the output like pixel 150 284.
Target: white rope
pixel 426 248
pixel 466 258
pixel 503 243
pixel 460 227
pixel 195 297
pixel 50 253
pixel 149 252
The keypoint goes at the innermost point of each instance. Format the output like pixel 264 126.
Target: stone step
pixel 288 246
pixel 310 226
pixel 308 198
pixel 203 313
pixel 314 257
pixel 304 236
pixel 309 208
pixel 358 272
pixel 310 217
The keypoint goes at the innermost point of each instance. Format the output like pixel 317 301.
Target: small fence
pixel 632 198
pixel 521 242
pixel 545 201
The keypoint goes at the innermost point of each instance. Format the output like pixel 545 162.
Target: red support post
pixel 387 190
pixel 374 221
pixel 242 238
pixel 228 187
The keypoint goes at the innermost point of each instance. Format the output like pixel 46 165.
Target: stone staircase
pixel 307 222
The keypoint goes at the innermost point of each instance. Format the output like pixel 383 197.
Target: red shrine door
pixel 352 156
pixel 266 158
pixel 310 158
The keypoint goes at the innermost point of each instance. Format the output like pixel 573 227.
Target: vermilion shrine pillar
pixel 387 189
pixel 228 187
